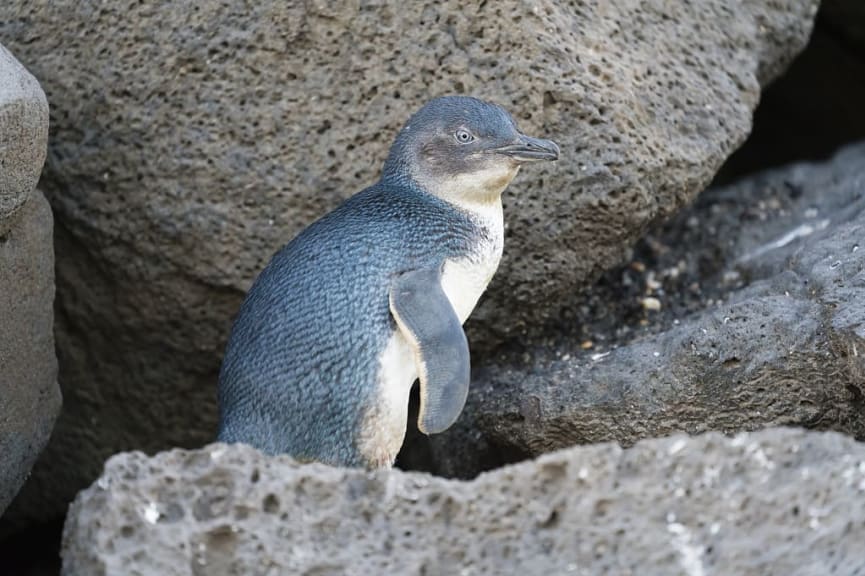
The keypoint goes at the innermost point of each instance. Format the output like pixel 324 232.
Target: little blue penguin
pixel 371 297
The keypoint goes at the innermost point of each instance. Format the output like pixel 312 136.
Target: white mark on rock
pixel 711 475
pixel 677 446
pixel 815 515
pixel 739 440
pixel 794 234
pixel 757 453
pixel 601 356
pixel 217 453
pixel 151 513
pixel 583 473
pixel 714 528
pixel 690 554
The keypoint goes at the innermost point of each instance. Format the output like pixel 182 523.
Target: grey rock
pixel 188 144
pixel 777 502
pixel 23 135
pixel 787 348
pixel 29 394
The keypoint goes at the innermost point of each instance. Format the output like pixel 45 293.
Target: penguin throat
pixel 480 188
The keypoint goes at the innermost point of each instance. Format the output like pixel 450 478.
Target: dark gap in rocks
pixel 34 551
pixel 419 454
pixel 814 108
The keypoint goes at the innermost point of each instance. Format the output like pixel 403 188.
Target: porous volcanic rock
pixel 190 141
pixel 776 502
pixel 23 135
pixel 29 394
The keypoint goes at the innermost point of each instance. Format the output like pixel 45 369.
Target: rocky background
pixel 187 143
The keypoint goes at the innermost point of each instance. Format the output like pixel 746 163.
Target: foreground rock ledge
pixel 780 501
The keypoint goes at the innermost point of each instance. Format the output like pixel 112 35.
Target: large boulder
pixel 776 502
pixel 29 394
pixel 190 142
pixel 779 263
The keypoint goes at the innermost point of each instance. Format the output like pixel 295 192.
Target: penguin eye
pixel 463 136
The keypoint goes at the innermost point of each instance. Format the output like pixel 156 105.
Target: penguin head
pixel 463 150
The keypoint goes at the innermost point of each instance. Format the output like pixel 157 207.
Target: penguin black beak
pixel 528 149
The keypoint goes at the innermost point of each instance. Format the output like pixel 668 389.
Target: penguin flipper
pixel 429 323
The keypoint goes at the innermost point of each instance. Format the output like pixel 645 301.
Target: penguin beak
pixel 528 149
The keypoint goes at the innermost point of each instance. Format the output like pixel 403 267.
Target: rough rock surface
pixel 189 144
pixel 29 395
pixel 777 502
pixel 23 135
pixel 781 340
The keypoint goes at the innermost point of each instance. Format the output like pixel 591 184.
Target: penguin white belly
pixel 463 281
pixel 383 429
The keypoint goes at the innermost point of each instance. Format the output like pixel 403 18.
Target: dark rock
pixel 29 395
pixel 781 340
pixel 776 502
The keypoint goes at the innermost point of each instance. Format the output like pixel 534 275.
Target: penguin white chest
pixel 464 280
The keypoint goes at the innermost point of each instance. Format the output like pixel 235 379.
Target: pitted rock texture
pixel 778 502
pixel 190 142
pixel 23 135
pixel 29 394
pixel 782 343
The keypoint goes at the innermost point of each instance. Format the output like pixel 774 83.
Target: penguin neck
pixel 476 192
